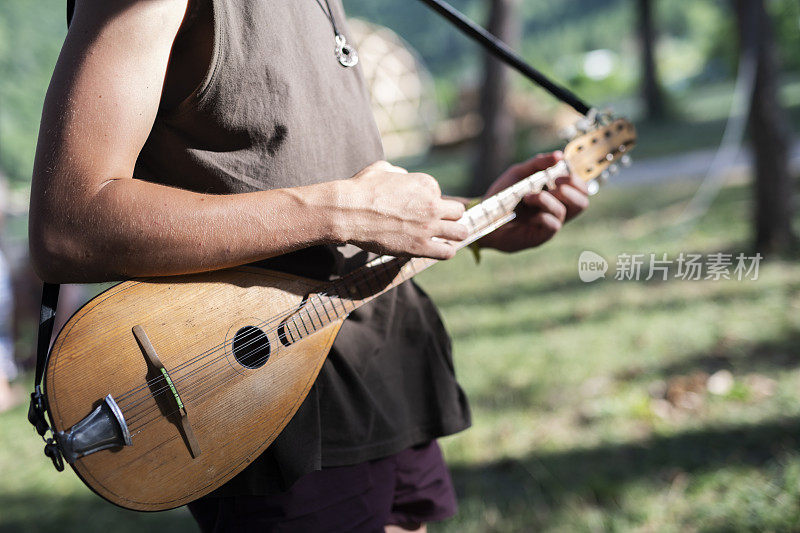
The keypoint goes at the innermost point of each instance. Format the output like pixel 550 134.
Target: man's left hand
pixel 539 215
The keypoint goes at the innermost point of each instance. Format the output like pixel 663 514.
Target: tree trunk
pixel 651 89
pixel 770 133
pixel 496 141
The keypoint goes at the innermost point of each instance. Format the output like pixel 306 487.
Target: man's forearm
pixel 133 228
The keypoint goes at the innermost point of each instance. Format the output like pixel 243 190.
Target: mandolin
pixel 162 389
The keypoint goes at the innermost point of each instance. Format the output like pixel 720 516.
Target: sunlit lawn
pixel 590 404
pixel 591 410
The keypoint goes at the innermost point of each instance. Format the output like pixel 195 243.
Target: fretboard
pixel 342 296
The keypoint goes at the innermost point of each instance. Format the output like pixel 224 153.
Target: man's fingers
pixel 547 223
pixel 452 231
pixel 451 209
pixel 438 249
pixel 573 199
pixel 547 203
pixel 572 181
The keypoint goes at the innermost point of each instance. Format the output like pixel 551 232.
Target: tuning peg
pixel 592 187
pixel 606 116
pixel 613 169
pixel 568 132
pixel 603 177
pixel 583 126
pixel 625 161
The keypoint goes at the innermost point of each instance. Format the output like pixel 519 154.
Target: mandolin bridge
pixel 103 428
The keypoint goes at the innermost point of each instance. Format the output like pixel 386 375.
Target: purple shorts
pixel 410 487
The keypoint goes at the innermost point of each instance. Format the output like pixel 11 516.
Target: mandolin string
pixel 280 316
pixel 185 363
pixel 122 398
pixel 380 268
pixel 174 372
pixel 125 401
pixel 384 267
pixel 165 387
pixel 364 274
pixel 187 391
pixel 294 310
pixel 133 418
pixel 177 378
pixel 313 301
pixel 255 339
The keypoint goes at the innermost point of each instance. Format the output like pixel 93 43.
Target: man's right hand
pixel 385 209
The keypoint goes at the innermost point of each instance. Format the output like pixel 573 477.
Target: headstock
pixel 591 154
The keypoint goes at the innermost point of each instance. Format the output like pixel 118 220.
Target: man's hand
pixel 399 215
pixel 540 215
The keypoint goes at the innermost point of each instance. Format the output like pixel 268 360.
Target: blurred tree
pixel 650 87
pixel 496 141
pixel 31 34
pixel 769 130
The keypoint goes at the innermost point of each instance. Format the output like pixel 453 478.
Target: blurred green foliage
pixel 697 46
pixel 31 34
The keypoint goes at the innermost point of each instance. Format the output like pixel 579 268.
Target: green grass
pixel 567 435
pixel 570 433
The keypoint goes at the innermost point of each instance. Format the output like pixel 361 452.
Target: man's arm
pixel 91 221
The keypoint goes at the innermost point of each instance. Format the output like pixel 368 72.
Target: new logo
pixel 591 266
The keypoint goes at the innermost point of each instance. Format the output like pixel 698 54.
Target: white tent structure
pixel 403 98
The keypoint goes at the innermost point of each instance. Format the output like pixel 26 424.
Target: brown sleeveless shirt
pixel 276 109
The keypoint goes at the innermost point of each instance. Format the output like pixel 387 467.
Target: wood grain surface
pixel 235 412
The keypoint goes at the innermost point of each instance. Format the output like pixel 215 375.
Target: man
pixel 183 137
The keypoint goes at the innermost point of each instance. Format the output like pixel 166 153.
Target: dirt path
pixel 688 166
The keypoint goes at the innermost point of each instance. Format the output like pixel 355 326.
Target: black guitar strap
pixel 38 409
pixel 37 412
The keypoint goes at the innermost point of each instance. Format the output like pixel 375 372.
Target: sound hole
pixel 251 347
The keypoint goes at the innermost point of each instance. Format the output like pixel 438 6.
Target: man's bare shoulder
pixel 166 14
pixel 126 21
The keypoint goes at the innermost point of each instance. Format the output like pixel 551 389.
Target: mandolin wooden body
pixel 96 354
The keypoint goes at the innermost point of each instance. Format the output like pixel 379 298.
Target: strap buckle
pixel 36 412
pixel 37 417
pixel 52 451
